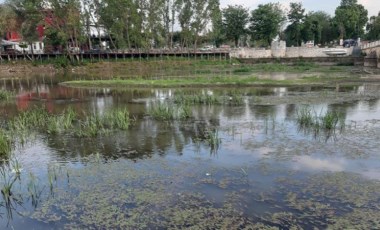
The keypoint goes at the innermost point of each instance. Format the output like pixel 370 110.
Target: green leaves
pixel 351 18
pixel 373 28
pixel 235 20
pixel 266 22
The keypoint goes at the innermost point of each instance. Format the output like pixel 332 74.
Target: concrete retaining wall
pixel 279 50
pixel 251 53
pixel 327 61
pixel 371 62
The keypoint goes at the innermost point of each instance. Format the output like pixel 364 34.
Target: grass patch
pixel 209 80
pixel 204 98
pixel 5 95
pixel 91 125
pixel 242 70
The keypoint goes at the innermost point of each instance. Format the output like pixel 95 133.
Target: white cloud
pixel 316 164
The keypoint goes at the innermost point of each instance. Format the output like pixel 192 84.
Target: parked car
pixel 206 48
pixel 349 42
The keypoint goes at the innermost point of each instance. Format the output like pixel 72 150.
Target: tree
pixel 350 18
pixel 318 26
pixel 296 16
pixel 91 19
pixel 185 12
pixel 217 35
pixel 168 18
pixel 266 22
pixel 153 24
pixel 124 21
pixel 193 17
pixel 8 21
pixel 203 10
pixel 235 20
pixel 63 25
pixel 373 28
pixel 29 17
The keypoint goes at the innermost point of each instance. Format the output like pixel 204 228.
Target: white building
pixel 22 48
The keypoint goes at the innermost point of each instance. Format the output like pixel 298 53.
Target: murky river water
pixel 264 171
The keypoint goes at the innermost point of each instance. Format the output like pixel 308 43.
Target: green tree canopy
pixel 217 35
pixel 235 20
pixel 266 22
pixel 318 26
pixel 350 18
pixel 373 28
pixel 8 19
pixel 296 16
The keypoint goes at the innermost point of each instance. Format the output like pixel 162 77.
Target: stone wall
pixel 305 52
pixel 279 50
pixel 250 53
pixel 323 61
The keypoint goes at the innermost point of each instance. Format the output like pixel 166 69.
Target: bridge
pixel 372 51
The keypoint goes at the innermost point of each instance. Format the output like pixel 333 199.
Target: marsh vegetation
pixel 254 157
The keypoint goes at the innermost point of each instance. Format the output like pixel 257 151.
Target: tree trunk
pixel 111 40
pixel 32 49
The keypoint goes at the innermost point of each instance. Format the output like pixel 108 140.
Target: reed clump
pixel 91 126
pixel 5 144
pixel 166 112
pixel 328 122
pixel 212 138
pixel 31 119
pixel 202 99
pixel 117 119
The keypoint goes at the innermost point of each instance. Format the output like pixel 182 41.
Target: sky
pixel 329 6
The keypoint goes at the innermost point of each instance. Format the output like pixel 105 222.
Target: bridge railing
pixel 371 45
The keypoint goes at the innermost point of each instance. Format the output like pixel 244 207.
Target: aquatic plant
pixel 5 143
pixel 7 184
pixel 117 119
pixel 330 120
pixel 235 99
pixel 68 117
pixel 308 119
pixel 53 126
pixel 33 190
pixel 30 119
pixel 91 126
pixel 305 118
pixel 165 112
pixel 213 140
pixel 16 166
pixel 201 98
pixel 38 119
